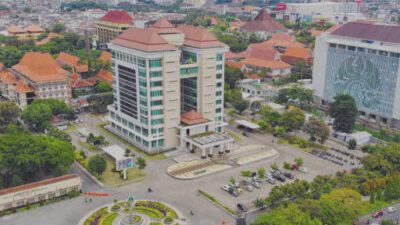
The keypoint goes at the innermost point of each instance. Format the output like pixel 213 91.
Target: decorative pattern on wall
pixel 370 78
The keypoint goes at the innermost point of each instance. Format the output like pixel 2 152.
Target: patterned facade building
pixel 363 60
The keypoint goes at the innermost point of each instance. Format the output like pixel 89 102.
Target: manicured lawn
pixel 152 213
pixel 235 136
pixel 143 154
pixel 108 220
pixel 110 178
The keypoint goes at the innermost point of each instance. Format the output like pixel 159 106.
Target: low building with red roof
pixel 105 56
pixel 40 76
pixel 73 62
pixel 295 55
pixel 273 69
pixel 31 31
pixel 263 25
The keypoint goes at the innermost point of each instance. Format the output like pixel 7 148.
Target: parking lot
pixel 391 213
pixel 314 164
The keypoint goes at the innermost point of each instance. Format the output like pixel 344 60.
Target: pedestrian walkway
pixel 195 168
pixel 252 153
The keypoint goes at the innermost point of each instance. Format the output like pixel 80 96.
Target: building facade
pixel 111 25
pixel 37 75
pixel 40 191
pixel 160 73
pixel 361 59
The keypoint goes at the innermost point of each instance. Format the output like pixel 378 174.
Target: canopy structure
pixel 248 124
pixel 118 153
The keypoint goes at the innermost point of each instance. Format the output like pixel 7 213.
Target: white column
pixel 210 154
pixel 203 153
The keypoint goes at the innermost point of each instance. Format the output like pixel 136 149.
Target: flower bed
pixel 165 210
pixel 152 213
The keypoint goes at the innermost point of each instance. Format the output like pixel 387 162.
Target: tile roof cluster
pixel 105 56
pixel 263 23
pixel 40 67
pixel 257 62
pixel 369 31
pixel 104 75
pixel 192 117
pixel 293 55
pixel 29 29
pixel 37 184
pixel 199 37
pixel 7 77
pixel 73 62
pixel 117 16
pixel 23 87
pixel 163 26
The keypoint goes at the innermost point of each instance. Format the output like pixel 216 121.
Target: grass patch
pixel 152 213
pixel 235 136
pixel 211 198
pixel 70 128
pixel 158 156
pixel 368 207
pixel 165 210
pixel 111 178
pixel 108 220
pixel 88 146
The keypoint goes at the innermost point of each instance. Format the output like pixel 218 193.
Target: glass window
pixel 161 143
pixel 156 103
pixel 155 63
pixel 220 57
pixel 156 112
pixel 219 67
pixel 157 121
pixel 219 75
pixel 156 93
pixel 155 74
pixel 219 93
pixel 156 84
pixel 141 62
pixel 219 84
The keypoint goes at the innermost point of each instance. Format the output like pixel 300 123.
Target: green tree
pixel 295 95
pixel 37 116
pixel 99 103
pixel 344 110
pixel 9 113
pixel 141 162
pixel 58 28
pixel 287 165
pixel 352 144
pixel 261 173
pixel 97 165
pixel 317 130
pixel 241 105
pixel 293 118
pixel 299 161
pixel 58 134
pixel 232 75
pixel 274 166
pixel 286 216
pixel 246 173
pixel 103 87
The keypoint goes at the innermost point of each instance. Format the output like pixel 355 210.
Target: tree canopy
pixel 25 157
pixel 9 113
pixel 344 110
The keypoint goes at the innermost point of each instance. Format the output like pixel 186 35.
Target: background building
pixel 111 25
pixel 160 73
pixel 361 59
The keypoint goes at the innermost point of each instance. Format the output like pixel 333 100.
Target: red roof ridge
pixel 37 184
pixel 193 117
pixel 163 23
pixel 117 16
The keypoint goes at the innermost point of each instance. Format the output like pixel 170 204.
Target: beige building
pixel 31 31
pixel 161 73
pixel 37 75
pixel 111 25
pixel 38 191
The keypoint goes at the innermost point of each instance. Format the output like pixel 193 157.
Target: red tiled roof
pixel 192 117
pixel 265 63
pixel 37 184
pixel 265 52
pixel 231 55
pixel 237 65
pixel 199 37
pixel 105 56
pixel 117 16
pixel 7 77
pixel 263 22
pixel 34 29
pixel 40 67
pixel 22 87
pixel 282 43
pixel 105 76
pixel 293 55
pixel 163 26
pixel 282 36
pixel 82 84
pixel 368 31
pixel 15 29
pixel 68 59
pixel 143 39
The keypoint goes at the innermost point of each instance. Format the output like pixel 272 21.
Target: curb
pixel 226 211
pixel 89 175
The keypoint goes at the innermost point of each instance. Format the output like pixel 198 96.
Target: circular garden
pixel 143 213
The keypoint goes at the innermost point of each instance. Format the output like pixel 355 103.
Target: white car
pixel 256 184
pixel 303 169
pixel 225 187
pixel 248 188
pixel 391 209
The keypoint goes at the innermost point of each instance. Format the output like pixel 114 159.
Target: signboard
pixel 124 163
pixel 281 6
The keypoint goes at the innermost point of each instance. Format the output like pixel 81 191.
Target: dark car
pixel 242 207
pixel 245 134
pixel 288 175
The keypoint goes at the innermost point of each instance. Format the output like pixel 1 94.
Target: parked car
pixel 233 192
pixel 256 179
pixel 303 169
pixel 288 175
pixel 245 134
pixel 278 176
pixel 256 184
pixel 268 174
pixel 236 184
pixel 377 214
pixel 270 180
pixel 225 187
pixel 248 188
pixel 242 207
pixel 391 209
